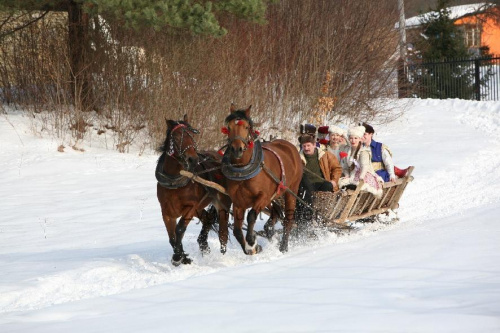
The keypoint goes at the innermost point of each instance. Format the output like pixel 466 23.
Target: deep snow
pixel 83 247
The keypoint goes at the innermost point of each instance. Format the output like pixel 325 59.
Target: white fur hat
pixel 358 131
pixel 336 130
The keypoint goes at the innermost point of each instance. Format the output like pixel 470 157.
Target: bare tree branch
pixel 26 24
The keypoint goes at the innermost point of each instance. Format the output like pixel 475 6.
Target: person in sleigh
pixel 381 157
pixel 337 141
pixel 322 170
pixel 357 165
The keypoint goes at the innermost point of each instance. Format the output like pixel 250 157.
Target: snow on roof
pixel 456 12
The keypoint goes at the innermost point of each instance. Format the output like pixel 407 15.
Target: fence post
pixel 402 79
pixel 477 80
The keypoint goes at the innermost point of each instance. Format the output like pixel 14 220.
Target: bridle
pixel 248 141
pixel 175 149
pixel 254 166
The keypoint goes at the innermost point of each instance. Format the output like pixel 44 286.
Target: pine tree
pixel 199 17
pixel 444 42
pixel 444 39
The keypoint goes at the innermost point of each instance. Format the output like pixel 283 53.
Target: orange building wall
pixel 490 33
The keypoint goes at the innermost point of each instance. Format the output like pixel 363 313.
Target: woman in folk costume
pixel 338 142
pixel 357 164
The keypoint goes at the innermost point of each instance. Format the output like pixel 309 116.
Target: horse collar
pixel 166 180
pixel 245 172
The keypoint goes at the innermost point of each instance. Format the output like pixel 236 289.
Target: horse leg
pixel 179 256
pixel 290 203
pixel 271 221
pixel 207 219
pixel 252 247
pixel 223 217
pixel 170 226
pixel 260 203
pixel 238 225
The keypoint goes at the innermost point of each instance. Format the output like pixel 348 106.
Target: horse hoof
pixel 269 234
pixel 205 249
pixel 223 249
pixel 179 259
pixel 256 249
pixel 283 248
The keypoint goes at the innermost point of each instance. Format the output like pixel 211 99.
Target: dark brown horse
pixel 258 173
pixel 181 197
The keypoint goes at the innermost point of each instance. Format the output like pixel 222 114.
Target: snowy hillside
pixel 83 247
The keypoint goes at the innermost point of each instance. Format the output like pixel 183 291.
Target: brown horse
pixel 256 174
pixel 181 197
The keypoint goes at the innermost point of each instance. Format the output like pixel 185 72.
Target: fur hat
pixel 358 131
pixel 308 129
pixel 368 128
pixel 307 138
pixel 336 130
pixel 323 135
pixel 323 130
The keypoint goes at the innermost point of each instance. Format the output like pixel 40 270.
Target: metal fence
pixel 475 79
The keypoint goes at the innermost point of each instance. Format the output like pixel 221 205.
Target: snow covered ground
pixel 83 247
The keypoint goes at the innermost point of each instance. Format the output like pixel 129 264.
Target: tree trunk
pixel 78 46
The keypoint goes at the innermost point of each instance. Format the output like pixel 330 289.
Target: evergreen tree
pixel 199 17
pixel 444 39
pixel 443 42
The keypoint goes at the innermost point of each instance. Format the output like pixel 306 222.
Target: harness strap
pixel 282 184
pixel 171 144
pixel 177 126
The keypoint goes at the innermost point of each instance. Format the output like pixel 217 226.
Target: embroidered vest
pixel 377 162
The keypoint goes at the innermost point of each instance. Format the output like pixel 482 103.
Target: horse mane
pixel 165 146
pixel 239 114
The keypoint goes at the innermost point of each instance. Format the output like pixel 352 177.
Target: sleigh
pixel 338 208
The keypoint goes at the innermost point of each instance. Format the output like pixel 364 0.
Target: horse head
pixel 240 131
pixel 180 143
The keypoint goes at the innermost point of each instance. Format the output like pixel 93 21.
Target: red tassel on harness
pixel 250 144
pixel 220 152
pixel 224 130
pixel 256 132
pixel 281 187
pixel 238 122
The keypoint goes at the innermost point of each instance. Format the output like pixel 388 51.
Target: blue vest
pixel 376 148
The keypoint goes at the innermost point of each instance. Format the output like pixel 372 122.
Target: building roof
pixel 456 12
